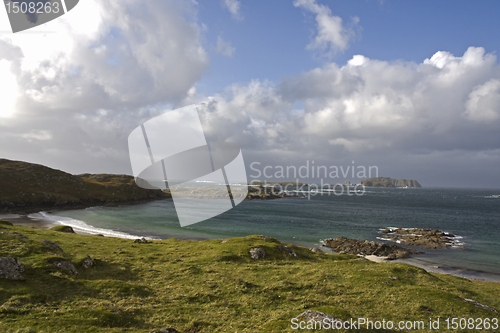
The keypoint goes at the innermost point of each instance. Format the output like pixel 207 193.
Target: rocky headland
pixel 389 182
pixel 344 245
pixel 27 188
pixel 421 237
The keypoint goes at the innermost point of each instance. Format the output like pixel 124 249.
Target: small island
pixel 389 182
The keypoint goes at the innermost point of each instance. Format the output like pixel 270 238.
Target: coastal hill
pixel 82 283
pixel 27 187
pixel 389 182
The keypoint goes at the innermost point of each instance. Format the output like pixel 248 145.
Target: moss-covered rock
pixel 63 228
pixel 3 222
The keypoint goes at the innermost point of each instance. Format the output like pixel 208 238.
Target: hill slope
pixel 27 187
pixel 215 286
pixel 389 182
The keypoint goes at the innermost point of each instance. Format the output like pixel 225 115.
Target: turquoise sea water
pixel 471 214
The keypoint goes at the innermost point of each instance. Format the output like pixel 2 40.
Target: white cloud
pixel 333 36
pixel 224 48
pixel 483 104
pixel 8 89
pixel 110 65
pixel 367 106
pixel 234 8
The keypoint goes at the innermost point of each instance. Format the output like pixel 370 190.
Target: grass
pixel 214 286
pixel 31 187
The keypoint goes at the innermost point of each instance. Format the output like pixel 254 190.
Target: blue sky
pixel 270 40
pixel 412 87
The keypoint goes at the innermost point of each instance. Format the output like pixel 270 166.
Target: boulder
pixel 310 315
pixel 15 234
pixel 63 228
pixel 257 253
pixel 88 262
pixel 11 268
pixel 4 222
pixel 288 250
pixel 316 250
pixel 52 245
pixel 66 265
pixel 142 240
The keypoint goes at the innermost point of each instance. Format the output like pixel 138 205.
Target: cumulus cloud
pixel 109 65
pixel 234 8
pixel 333 36
pixel 483 104
pixel 444 105
pixel 224 48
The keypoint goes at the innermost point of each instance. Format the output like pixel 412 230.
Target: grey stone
pixel 316 250
pixel 15 234
pixel 165 330
pixel 52 245
pixel 11 268
pixel 88 262
pixel 479 305
pixel 310 315
pixel 142 240
pixel 257 253
pixel 66 265
pixel 288 250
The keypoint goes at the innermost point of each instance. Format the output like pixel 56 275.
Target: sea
pixel 472 215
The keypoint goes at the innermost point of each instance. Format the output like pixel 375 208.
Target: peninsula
pixel 27 188
pixel 389 182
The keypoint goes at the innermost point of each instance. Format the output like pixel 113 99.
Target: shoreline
pixel 43 223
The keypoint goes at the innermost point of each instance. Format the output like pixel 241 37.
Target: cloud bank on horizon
pixel 69 99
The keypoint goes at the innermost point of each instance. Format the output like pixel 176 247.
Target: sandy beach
pixel 35 221
pixel 28 221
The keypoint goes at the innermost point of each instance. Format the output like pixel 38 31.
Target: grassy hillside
pixel 31 187
pixel 214 286
pixel 389 182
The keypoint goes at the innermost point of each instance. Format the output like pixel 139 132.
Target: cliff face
pixel 389 182
pixel 27 187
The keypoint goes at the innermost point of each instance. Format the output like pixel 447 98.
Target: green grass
pixel 210 286
pixel 27 187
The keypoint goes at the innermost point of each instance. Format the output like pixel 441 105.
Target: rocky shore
pixel 421 237
pixel 345 245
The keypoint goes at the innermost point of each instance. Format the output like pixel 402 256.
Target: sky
pixel 411 87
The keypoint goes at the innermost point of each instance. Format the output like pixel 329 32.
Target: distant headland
pixel 389 182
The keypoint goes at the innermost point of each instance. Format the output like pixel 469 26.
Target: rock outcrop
pixel 288 250
pixel 142 240
pixel 15 234
pixel 88 262
pixel 65 265
pixel 422 237
pixel 11 268
pixel 257 253
pixel 52 245
pixel 165 330
pixel 352 246
pixel 63 228
pixel 389 182
pixel 316 316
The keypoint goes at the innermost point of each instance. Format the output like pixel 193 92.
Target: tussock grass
pixel 214 286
